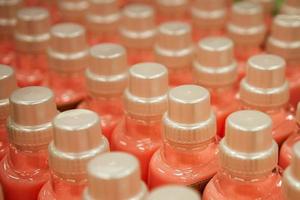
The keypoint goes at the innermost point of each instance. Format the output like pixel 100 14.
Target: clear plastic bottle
pixel 216 70
pixel 145 101
pixel 248 160
pixel 268 8
pixel 137 32
pixel 114 176
pixel 290 7
pixel 32 39
pixel 291 176
pixel 174 49
pixel 188 155
pixel 170 10
pixel 265 88
pixel 77 139
pixel 173 192
pixel 285 42
pixel 8 84
pixel 208 18
pixel 73 10
pixel 68 58
pixel 25 168
pixel 106 79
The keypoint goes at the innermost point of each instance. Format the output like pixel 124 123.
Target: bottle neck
pixel 269 110
pixel 219 93
pixel 106 105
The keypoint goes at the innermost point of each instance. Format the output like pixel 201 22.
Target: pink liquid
pixel 293 73
pixel 3 140
pixel 23 173
pixel 109 37
pixel 109 110
pixel 180 76
pixel 182 165
pixel 199 34
pixel 7 55
pixel 139 55
pixel 226 187
pixel 285 155
pixel 243 53
pixel 138 137
pixel 31 68
pixel 58 189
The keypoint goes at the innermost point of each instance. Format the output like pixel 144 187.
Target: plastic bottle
pixel 173 192
pixel 188 155
pixel 248 160
pixel 32 39
pixel 68 58
pixel 77 139
pixel 174 49
pixel 216 70
pixel 73 10
pixel 145 101
pixel 137 32
pixel 106 79
pixel 8 84
pixel 290 7
pixel 170 10
pixel 25 168
pixel 114 176
pixel 268 8
pixel 266 89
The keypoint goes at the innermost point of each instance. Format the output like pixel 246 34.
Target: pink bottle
pixel 208 18
pixel 51 6
pixel 137 32
pixel 77 139
pixel 8 10
pixel 73 10
pixel 114 176
pixel 106 79
pixel 268 8
pixel 145 101
pixel 291 7
pixel 25 168
pixel 102 21
pixel 216 70
pixel 170 10
pixel 284 41
pixel 8 84
pixel 68 58
pixel 188 155
pixel 291 176
pixel 265 88
pixel 32 40
pixel 285 156
pixel 248 159
pixel 175 50
pixel 247 29
pixel 173 192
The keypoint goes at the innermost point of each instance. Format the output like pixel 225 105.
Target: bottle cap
pixel 172 9
pixel 68 48
pixel 146 94
pixel 32 29
pixel 285 37
pixel 214 65
pixel 8 84
pixel 77 138
pixel 265 85
pixel 173 192
pixel 183 123
pixel 290 7
pixel 8 11
pixel 31 112
pixel 291 176
pixel 248 149
pixel 246 24
pixel 73 10
pixel 107 73
pixel 138 26
pixel 174 47
pixel 113 176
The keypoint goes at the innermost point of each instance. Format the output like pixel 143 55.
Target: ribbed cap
pixel 248 148
pixel 172 9
pixel 214 64
pixel 68 48
pixel 8 10
pixel 174 47
pixel 138 26
pixel 31 112
pixel 32 29
pixel 73 10
pixel 114 176
pixel 77 138
pixel 291 176
pixel 246 24
pixel 173 192
pixel 183 123
pixel 146 95
pixel 291 7
pixel 8 84
pixel 107 72
pixel 209 14
pixel 265 85
pixel 285 37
